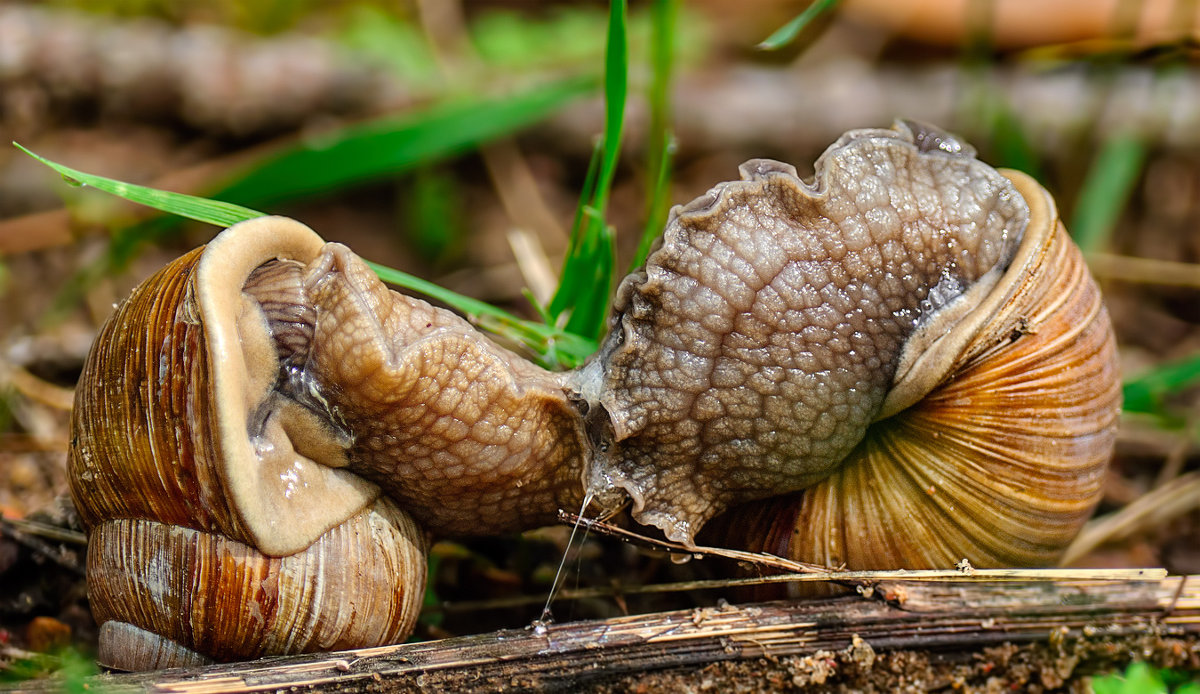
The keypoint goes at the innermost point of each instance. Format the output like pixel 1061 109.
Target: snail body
pixel 277 408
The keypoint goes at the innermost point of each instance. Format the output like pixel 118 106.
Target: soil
pixel 1032 668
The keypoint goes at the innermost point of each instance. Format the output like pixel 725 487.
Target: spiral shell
pixel 181 443
pixel 170 596
pixel 237 422
pixel 178 406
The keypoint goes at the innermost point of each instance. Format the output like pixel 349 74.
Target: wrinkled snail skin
pixel 264 436
pixel 1001 463
pixel 466 436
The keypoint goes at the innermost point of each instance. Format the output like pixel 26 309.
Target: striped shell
pixel 171 596
pixel 214 531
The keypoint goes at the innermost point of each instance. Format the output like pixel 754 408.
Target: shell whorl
pixel 180 405
pixel 206 492
pixel 207 597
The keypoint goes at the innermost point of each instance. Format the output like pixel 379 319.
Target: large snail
pixel 912 338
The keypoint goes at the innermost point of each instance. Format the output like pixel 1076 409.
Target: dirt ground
pixel 1029 668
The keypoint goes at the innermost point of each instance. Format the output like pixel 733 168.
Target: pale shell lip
pixel 284 511
pixel 922 370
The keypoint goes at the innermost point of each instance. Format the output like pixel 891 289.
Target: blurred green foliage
pixel 1140 678
pixel 473 105
pixel 660 146
pixel 550 344
pixel 332 161
pixel 69 668
pixel 1110 181
pixel 788 32
pixel 391 40
pixel 1150 392
pixel 432 212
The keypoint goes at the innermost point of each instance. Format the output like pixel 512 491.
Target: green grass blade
pixel 1149 392
pixel 384 147
pixel 661 145
pixel 222 214
pixel 570 281
pixel 657 216
pixel 616 89
pixel 1106 189
pixel 598 260
pixel 553 346
pixel 788 32
pixel 1010 142
pixel 589 316
pixel 349 156
pixel 474 309
pixel 585 284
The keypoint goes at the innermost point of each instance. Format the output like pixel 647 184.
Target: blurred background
pixel 451 139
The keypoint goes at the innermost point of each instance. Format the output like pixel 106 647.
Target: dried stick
pixel 963 617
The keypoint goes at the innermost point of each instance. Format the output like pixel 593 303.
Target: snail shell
pixel 1001 462
pixel 194 475
pixel 911 337
pixel 171 596
pixel 1004 459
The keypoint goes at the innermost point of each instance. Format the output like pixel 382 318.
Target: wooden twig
pixel 44 530
pixel 40 390
pixel 915 615
pixel 18 531
pixel 866 581
pixel 801 572
pixel 768 561
pixel 1144 270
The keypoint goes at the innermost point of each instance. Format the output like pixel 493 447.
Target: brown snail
pixel 912 339
pixel 255 416
pixel 226 424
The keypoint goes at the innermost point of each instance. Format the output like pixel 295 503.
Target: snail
pixel 235 422
pixel 912 339
pixel 265 437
